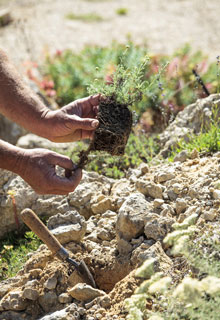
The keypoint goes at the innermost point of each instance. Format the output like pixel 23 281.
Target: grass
pixel 88 17
pixel 122 11
pixel 14 250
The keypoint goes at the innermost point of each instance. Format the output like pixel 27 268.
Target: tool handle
pixel 37 226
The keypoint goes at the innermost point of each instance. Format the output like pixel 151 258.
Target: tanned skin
pixel 73 122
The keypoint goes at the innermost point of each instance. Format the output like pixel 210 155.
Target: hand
pixel 76 121
pixel 37 168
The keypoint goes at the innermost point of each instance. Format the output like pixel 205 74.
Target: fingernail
pixel 94 124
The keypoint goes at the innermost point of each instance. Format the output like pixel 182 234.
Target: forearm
pixel 18 102
pixel 10 157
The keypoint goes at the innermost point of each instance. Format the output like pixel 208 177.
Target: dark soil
pixel 115 123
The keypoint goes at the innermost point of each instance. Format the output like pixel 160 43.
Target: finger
pixel 84 123
pixel 62 161
pixel 67 185
pixel 91 101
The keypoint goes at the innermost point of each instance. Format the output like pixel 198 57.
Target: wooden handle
pixel 37 226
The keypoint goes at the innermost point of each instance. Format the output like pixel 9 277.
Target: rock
pixel 84 292
pixel 181 156
pixel 51 283
pixel 180 205
pixel 131 216
pixel 48 300
pixel 64 298
pixel 81 197
pixel 68 227
pixel 158 203
pixel 124 247
pixel 194 154
pixel 157 227
pixel 30 141
pixel 162 261
pixel 104 301
pixel 209 215
pixel 216 194
pixel 30 293
pixel 13 301
pixel 102 206
pixel 164 176
pixel 149 189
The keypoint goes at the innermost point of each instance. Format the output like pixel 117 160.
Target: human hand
pixel 73 122
pixel 38 168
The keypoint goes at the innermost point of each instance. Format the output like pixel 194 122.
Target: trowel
pixel 37 226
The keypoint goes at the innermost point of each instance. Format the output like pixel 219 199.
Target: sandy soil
pixel 164 25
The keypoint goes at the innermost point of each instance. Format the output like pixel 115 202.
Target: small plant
pixel 124 88
pixel 89 17
pixel 13 252
pixel 122 11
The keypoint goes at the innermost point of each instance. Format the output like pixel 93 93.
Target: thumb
pixel 62 161
pixel 85 123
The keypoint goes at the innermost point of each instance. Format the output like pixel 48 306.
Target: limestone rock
pixel 30 141
pixel 149 189
pixel 30 293
pixel 157 227
pixel 51 283
pixel 131 216
pixel 181 156
pixel 102 206
pixel 47 300
pixel 64 298
pixel 84 292
pixel 68 227
pixel 124 247
pixel 164 176
pixel 13 301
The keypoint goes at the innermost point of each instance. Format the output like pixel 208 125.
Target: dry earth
pixel 165 25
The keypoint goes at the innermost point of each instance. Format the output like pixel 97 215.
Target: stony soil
pixel 113 225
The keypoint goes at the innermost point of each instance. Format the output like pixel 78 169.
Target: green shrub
pixel 70 73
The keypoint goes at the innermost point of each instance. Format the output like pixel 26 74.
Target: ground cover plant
pixel 14 250
pixel 197 293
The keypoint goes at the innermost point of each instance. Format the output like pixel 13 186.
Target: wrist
pixel 11 157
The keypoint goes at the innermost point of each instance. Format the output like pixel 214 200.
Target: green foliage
pixel 170 90
pixel 138 149
pixel 13 252
pixel 208 140
pixel 197 295
pixel 122 11
pixel 89 17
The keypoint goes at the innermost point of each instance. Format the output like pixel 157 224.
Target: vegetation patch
pixel 88 17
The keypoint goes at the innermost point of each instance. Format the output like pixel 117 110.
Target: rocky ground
pixel 114 225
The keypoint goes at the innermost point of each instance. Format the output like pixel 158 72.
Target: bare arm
pixel 17 101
